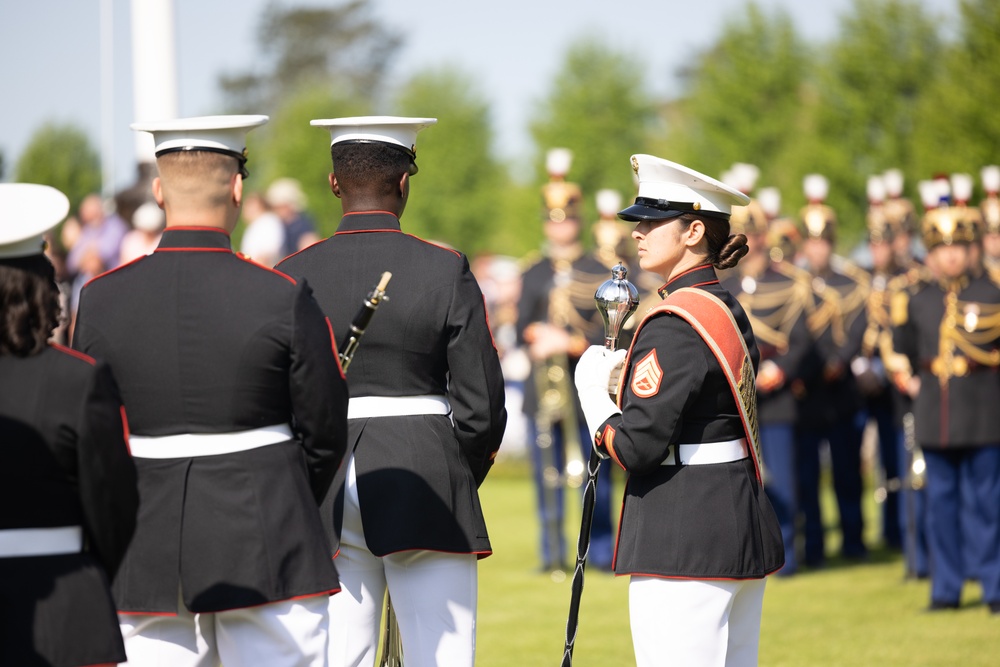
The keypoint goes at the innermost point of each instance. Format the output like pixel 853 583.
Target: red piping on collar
pixel 193 250
pixel 691 270
pixel 371 213
pixel 74 353
pixel 368 231
pixel 195 228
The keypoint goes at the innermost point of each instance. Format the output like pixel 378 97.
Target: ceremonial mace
pixel 349 345
pixel 616 300
pixel 392 647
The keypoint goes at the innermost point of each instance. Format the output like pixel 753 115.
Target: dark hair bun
pixel 732 252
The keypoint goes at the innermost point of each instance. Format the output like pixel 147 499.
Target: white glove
pixel 593 374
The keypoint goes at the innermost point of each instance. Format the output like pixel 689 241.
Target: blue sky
pixel 50 52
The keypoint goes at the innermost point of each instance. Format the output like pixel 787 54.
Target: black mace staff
pixel 616 300
pixel 349 345
pixel 392 651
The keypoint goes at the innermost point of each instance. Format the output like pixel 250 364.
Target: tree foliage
pixel 959 128
pixel 459 195
pixel 288 146
pixel 599 107
pixel 746 98
pixel 876 73
pixel 341 47
pixel 61 155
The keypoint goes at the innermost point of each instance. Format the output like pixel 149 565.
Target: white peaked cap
pixel 148 217
pixel 220 134
pixel 893 179
pixel 744 177
pixel 27 211
pixel 961 187
pixel 929 194
pixel 395 130
pixel 668 189
pixel 876 189
pixel 399 131
pixel 770 201
pixel 609 202
pixel 815 187
pixel 943 186
pixel 991 178
pixel 558 161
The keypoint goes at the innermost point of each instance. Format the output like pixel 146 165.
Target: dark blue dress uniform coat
pixel 689 521
pixel 955 389
pixel 204 341
pixel 417 476
pixel 63 462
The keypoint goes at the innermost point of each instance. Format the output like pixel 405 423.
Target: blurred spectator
pixel 286 199
pixel 147 224
pixel 264 237
pixel 97 247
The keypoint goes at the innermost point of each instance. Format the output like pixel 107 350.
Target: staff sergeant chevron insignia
pixel 647 376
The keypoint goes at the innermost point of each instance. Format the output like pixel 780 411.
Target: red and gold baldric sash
pixel 715 323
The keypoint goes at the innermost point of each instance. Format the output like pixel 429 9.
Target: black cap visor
pixel 646 208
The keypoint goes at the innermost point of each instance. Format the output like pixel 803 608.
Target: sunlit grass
pixel 843 615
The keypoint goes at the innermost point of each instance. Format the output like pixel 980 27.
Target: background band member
pixel 68 496
pixel 777 298
pixel 238 413
pixel 426 414
pixel 697 531
pixel 557 320
pixel 830 409
pixel 949 331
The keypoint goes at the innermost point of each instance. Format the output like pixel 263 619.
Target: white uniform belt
pixel 20 542
pixel 185 445
pixel 708 452
pixel 363 407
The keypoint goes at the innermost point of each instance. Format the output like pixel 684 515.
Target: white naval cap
pixel 668 189
pixel 991 179
pixel 398 131
pixel 27 211
pixel 961 187
pixel 609 202
pixel 217 134
pixel 876 189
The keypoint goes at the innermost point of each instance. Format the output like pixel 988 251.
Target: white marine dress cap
pixel 217 134
pixel 27 212
pixel 668 189
pixel 398 131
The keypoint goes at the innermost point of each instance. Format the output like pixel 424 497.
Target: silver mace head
pixel 616 299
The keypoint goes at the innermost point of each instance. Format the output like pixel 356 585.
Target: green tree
pixel 745 101
pixel 959 128
pixel 600 109
pixel 61 156
pixel 288 146
pixel 870 85
pixel 341 47
pixel 459 196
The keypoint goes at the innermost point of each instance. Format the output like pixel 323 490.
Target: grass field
pixel 843 615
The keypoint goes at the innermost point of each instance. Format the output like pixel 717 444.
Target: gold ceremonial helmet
pixel 947 225
pixel 561 198
pixel 818 220
pixel 783 239
pixel 879 228
pixel 749 219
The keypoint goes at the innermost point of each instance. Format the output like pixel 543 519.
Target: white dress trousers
pixel 289 633
pixel 433 594
pixel 695 622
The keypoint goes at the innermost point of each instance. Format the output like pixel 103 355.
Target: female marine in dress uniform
pixel 67 484
pixel 697 532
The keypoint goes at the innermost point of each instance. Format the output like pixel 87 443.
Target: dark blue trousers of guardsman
pixel 551 510
pixel 777 445
pixel 963 521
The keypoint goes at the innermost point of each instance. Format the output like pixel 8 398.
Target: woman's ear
pixel 695 233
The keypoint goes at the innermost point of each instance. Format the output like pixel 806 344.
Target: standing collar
pixel 694 277
pixel 194 238
pixel 368 221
